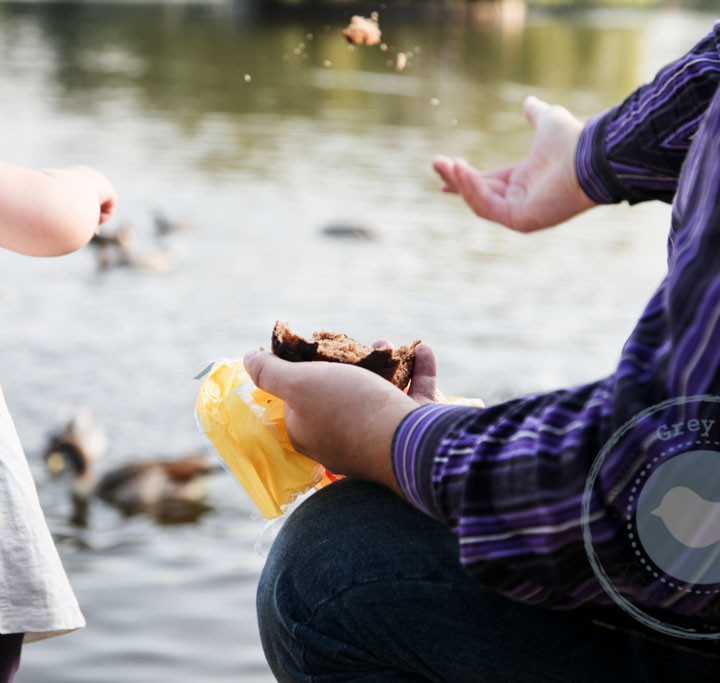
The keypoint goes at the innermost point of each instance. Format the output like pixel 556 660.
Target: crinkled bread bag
pixel 247 425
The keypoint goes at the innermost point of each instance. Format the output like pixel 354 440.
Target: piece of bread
pixel 394 365
pixel 362 31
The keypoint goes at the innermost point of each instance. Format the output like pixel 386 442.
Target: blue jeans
pixel 359 586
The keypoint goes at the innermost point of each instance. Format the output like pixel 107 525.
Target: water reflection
pixel 188 61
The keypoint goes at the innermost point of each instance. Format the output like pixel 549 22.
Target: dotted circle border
pixel 622 602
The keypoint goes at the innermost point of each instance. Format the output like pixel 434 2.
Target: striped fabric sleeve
pixel 635 151
pixel 509 479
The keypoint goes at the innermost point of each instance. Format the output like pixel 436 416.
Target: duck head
pixel 72 450
pixel 63 457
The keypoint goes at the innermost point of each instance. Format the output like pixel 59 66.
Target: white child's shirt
pixel 35 594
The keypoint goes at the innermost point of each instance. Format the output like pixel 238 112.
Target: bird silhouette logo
pixel 691 519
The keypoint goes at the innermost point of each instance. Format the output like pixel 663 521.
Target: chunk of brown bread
pixel 394 365
pixel 362 31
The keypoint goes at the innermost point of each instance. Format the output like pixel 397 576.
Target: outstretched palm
pixel 541 190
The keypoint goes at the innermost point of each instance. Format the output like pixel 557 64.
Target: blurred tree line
pixel 430 7
pixel 407 4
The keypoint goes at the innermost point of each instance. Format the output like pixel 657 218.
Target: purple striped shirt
pixel 509 479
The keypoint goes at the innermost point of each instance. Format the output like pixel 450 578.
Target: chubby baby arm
pixel 52 212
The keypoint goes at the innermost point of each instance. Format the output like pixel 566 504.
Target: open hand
pixel 541 190
pixel 341 415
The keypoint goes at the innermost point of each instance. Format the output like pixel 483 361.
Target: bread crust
pixel 394 365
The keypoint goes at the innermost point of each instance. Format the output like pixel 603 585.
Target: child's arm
pixel 52 212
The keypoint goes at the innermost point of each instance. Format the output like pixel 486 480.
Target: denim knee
pixel 293 581
pixel 347 540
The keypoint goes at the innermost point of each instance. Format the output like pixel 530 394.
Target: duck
pixel 166 226
pixel 160 487
pixel 75 446
pixel 120 250
pixel 349 231
pixel 170 490
pixel 113 249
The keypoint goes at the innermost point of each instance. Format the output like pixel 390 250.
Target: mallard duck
pixel 170 490
pixel 74 448
pixel 161 487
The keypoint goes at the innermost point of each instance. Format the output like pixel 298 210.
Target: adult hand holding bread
pixel 341 415
pixel 537 192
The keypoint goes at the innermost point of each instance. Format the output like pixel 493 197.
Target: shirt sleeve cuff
pixel 594 174
pixel 415 445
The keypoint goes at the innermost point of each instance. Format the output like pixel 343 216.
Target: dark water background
pixel 155 96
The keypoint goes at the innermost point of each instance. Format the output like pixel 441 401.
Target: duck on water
pixel 170 490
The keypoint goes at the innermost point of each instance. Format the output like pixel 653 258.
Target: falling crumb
pixel 453 122
pixel 383 47
pixel 362 31
pixel 309 36
pixel 301 46
pixel 401 61
pixel 327 63
pixel 434 101
pixel 416 50
pixel 389 62
pixel 351 48
pixel 297 51
pixel 285 58
pixel 247 78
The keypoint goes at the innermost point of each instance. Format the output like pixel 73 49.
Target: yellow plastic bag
pixel 247 427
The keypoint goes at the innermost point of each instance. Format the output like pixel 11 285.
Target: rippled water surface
pixel 156 96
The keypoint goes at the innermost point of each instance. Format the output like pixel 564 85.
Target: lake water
pixel 156 97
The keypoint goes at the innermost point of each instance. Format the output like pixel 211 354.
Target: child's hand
pixel 52 212
pixel 107 196
pixel 537 192
pixel 341 415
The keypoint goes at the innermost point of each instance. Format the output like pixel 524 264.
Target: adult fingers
pixel 270 373
pixel 501 173
pixel 423 387
pixel 444 168
pixel 496 178
pixel 479 196
pixel 534 108
pixel 383 344
pixel 495 184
